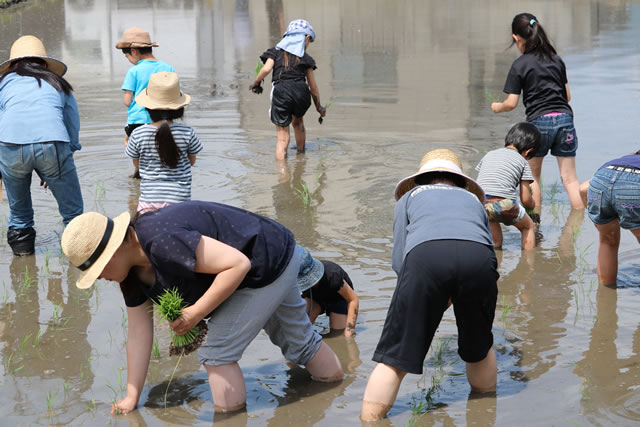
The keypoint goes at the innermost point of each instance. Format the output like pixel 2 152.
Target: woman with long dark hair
pixel 541 76
pixel 39 125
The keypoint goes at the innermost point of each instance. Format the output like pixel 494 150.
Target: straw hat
pixel 32 47
pixel 441 160
pixel 163 93
pixel 135 37
pixel 90 240
pixel 311 271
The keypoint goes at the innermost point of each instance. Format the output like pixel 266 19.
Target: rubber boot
pixel 22 241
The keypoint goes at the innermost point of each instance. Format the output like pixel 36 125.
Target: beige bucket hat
pixel 90 240
pixel 441 160
pixel 32 47
pixel 135 37
pixel 163 93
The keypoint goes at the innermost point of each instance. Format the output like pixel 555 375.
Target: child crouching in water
pixel 500 172
pixel 442 251
pixel 327 288
pixel 163 151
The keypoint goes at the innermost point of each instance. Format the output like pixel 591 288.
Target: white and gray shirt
pixel 500 172
pixel 159 182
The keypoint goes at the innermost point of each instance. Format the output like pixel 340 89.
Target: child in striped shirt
pixel 164 151
pixel 500 172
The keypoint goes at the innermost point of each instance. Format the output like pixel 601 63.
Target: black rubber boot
pixel 22 241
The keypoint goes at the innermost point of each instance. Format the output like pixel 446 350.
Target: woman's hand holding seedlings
pixel 322 110
pixel 188 319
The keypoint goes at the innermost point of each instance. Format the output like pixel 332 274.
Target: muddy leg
pixel 227 387
pixel 381 392
pixel 608 252
pixel 283 142
pixel 300 133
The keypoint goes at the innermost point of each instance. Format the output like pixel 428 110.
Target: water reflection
pixel 406 76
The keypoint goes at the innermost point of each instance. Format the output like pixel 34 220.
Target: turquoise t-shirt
pixel 136 81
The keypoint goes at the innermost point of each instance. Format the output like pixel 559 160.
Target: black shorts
pixel 338 307
pixel 131 127
pixel 433 272
pixel 289 98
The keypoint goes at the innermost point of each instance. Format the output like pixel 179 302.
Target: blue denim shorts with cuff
pixel 614 193
pixel 558 135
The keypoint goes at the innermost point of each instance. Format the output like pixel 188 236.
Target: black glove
pixel 256 88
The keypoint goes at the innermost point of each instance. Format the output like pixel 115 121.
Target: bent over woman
pixel 39 126
pixel 233 267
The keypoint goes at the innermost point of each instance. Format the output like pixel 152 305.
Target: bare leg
pixel 608 252
pixel 567 166
pixel 313 310
pixel 584 190
pixel 325 366
pixel 337 321
pixel 528 230
pixel 283 142
pixel 381 392
pixel 227 387
pixel 482 376
pixel 536 169
pixel 496 234
pixel 300 133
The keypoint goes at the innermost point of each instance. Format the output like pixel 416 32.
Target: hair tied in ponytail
pixel 533 21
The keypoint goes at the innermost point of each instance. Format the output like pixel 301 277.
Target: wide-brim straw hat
pixel 311 271
pixel 135 37
pixel 163 93
pixel 90 240
pixel 441 160
pixel 32 47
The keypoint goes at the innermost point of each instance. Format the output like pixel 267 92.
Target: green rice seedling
pixel 490 97
pixel 55 316
pixel 259 66
pixel 101 191
pixel 304 195
pixel 27 281
pixel 10 367
pixel 92 406
pixel 46 260
pixel 170 305
pixel 506 307
pixel 36 339
pixel 155 350
pixel 23 346
pixel 51 400
pixel 66 386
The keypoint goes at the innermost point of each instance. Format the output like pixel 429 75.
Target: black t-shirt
pixel 169 237
pixel 297 69
pixel 326 290
pixel 542 82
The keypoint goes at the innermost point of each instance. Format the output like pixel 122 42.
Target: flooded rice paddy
pixel 404 77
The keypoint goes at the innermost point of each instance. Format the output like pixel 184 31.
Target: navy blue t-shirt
pixel 169 237
pixel 632 160
pixel 326 290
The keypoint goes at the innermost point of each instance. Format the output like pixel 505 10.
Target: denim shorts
pixel 506 211
pixel 614 195
pixel 558 135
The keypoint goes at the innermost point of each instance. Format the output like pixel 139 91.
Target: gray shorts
pixel 277 308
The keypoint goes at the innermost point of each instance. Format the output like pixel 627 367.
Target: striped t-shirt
pixel 500 172
pixel 159 182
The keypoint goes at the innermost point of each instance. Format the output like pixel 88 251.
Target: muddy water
pixel 404 77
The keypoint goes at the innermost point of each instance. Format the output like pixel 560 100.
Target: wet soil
pixel 405 77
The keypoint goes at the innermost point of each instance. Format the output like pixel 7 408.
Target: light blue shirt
pixel 29 113
pixel 136 81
